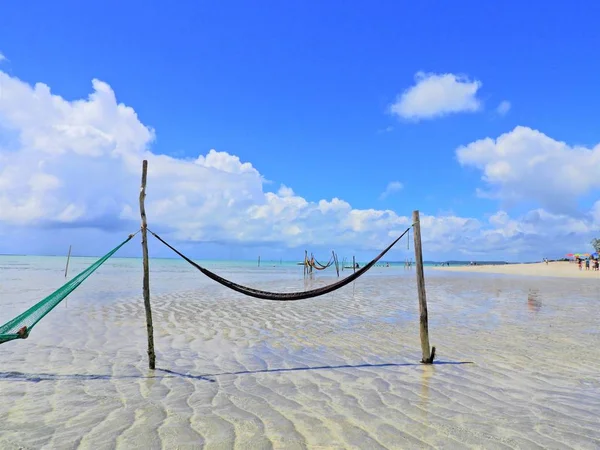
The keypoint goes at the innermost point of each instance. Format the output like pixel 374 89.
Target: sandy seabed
pixel 517 366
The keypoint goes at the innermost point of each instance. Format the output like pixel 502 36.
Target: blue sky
pixel 303 92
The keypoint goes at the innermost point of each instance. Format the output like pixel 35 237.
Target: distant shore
pixel 560 269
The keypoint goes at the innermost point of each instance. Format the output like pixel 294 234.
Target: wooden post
pixel 68 258
pixel 353 263
pixel 146 282
pixel 258 260
pixel 424 327
pixel 335 261
pixel 304 265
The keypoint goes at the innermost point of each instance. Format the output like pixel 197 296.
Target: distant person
pixel 587 264
pixel 579 263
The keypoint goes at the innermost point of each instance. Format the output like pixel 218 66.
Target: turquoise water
pixel 56 262
pixel 25 280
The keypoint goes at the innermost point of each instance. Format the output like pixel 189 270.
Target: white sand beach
pixel 560 269
pixel 516 363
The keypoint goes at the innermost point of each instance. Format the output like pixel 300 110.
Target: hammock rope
pixel 281 296
pixel 21 326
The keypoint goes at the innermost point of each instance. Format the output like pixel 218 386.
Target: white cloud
pixel 2 57
pixel 69 165
pixel 503 107
pixel 285 191
pixel 393 186
pixel 525 165
pixel 436 95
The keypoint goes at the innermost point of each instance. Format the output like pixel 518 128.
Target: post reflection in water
pixel 534 304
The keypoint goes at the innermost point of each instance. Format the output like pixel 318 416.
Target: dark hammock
pixel 282 296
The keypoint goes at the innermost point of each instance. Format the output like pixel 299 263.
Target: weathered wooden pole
pixel 68 258
pixel 424 327
pixel 146 282
pixel 335 261
pixel 353 263
pixel 305 263
pixel 258 260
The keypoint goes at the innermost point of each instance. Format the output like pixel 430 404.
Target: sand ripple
pixel 340 371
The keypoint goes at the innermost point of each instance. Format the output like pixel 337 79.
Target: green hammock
pixel 20 326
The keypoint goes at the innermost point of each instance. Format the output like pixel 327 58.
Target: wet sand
pixel 516 366
pixel 552 269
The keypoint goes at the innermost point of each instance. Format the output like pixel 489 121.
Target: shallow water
pixel 516 361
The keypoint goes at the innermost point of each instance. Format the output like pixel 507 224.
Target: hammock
pixel 317 265
pixel 281 296
pixel 20 326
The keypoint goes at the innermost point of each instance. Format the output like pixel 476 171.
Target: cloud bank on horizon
pixel 75 165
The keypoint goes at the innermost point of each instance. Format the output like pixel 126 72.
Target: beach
pixel 516 364
pixel 561 269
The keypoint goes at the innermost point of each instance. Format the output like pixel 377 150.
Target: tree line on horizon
pixel 596 244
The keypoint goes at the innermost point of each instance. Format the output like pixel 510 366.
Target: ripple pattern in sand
pixel 338 371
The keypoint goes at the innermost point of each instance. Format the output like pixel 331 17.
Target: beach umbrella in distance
pixel 569 255
pixel 595 255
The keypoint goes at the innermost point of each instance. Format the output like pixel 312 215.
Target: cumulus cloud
pixel 435 95
pixel 75 165
pixel 525 165
pixel 393 186
pixel 503 108
pixel 2 57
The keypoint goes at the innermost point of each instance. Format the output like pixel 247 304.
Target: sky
pixel 275 127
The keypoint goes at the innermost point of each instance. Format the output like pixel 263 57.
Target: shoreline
pixel 560 269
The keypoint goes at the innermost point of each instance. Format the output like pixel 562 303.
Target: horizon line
pixel 281 260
